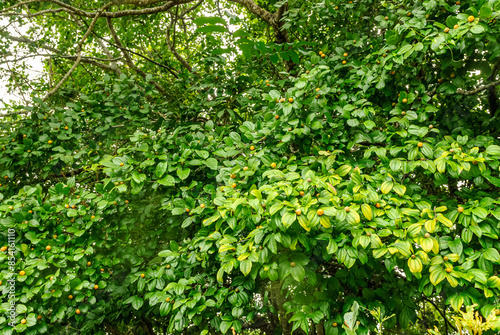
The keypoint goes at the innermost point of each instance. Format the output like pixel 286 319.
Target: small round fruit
pixel 320 212
pixel 323 55
pixel 302 193
pixel 403 113
pixel 22 273
pixel 344 62
pixel 377 205
pixel 345 54
pixel 405 100
pixel 121 164
pixel 202 206
pixel 386 18
pixel 245 168
pixel 168 299
pixel 471 18
pixel 455 26
pixel 96 287
pixel 48 248
pixel 143 275
pixel 51 278
pixel 78 311
pixel 49 142
pixel 168 266
pixel 277 117
pixel 309 180
pixel 70 297
pixel 448 270
pixel 89 263
pixel 431 126
pixel 413 256
pixel 298 212
pixel 23 321
pixel 290 100
pixel 446 259
pixel 460 209
pixel 452 75
pixel 292 264
pixel 92 217
pixel 273 165
pixel 446 30
pixel 252 148
pixel 334 324
pixel 187 210
pixel 427 235
pixel 39 317
pixel 420 144
pixel 233 185
pixel 233 176
pixel 384 55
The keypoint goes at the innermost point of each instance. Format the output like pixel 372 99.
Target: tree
pixel 219 167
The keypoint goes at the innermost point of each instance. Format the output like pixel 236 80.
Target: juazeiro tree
pixel 222 166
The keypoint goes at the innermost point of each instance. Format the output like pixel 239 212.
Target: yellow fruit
pixel 273 165
pixel 277 117
pixel 48 248
pixel 50 142
pixel 292 264
pixel 460 209
pixel 471 18
pixel 187 210
pixel 121 164
pixel 89 263
pixel 448 270
pixel 298 212
pixel 23 321
pixel 233 185
pixel 143 275
pixel 345 54
pixel 427 235
pixel 245 168
pixel 446 30
pixel 320 212
pixel 22 273
pixel 405 100
pixel 344 62
pixel 301 193
pixel 252 148
pixel 420 144
pixel 96 287
pixel 78 311
pixel 455 26
pixel 202 205
pixel 290 100
pixel 446 259
pixel 70 297
pixel 347 209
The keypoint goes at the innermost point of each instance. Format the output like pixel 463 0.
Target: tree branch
pixel 479 89
pixel 127 56
pixel 78 51
pixel 440 312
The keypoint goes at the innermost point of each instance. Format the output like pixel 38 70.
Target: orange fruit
pixel 23 321
pixel 39 317
pixel 48 248
pixel 471 18
pixel 96 287
pixel 386 18
pixel 334 324
pixel 455 26
pixel 448 270
pixel 233 185
pixel 320 212
pixel 187 210
pixel 413 256
pixel 202 205
pixel 89 263
pixel 22 272
pixel 460 209
pixel 273 165
pixel 252 148
pixel 446 259
pixel 345 54
pixel 50 142
pixel 377 205
pixel 277 117
pixel 344 62
pixel 302 193
pixel 420 144
pixel 298 212
pixel 245 168
pixel 143 275
pixel 290 100
pixel 347 209
pixel 121 164
pixel 405 100
pixel 70 297
pixel 78 311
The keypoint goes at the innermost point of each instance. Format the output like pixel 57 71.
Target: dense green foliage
pixel 230 166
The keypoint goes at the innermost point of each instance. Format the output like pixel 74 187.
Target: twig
pixel 442 314
pixel 479 89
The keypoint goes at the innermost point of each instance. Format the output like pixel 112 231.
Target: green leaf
pixel 386 187
pixel 211 163
pixel 183 173
pixel 161 168
pixel 246 266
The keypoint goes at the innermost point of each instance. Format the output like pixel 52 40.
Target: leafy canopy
pixel 221 166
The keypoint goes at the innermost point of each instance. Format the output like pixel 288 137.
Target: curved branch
pixel 78 51
pixel 479 89
pixel 440 312
pixel 128 59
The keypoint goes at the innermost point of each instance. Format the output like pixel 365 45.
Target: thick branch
pixel 479 89
pixel 79 53
pixel 440 312
pixel 128 59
